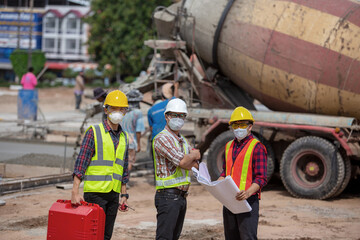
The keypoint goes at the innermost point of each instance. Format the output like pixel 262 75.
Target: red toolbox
pixel 69 222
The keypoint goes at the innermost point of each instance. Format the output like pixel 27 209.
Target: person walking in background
pixel 173 158
pixel 28 80
pixel 103 162
pixel 245 160
pixel 79 88
pixel 133 124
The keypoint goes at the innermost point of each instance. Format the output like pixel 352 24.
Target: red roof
pixel 76 12
pixel 54 11
pixel 59 15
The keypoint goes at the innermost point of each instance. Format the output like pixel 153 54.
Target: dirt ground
pixel 24 216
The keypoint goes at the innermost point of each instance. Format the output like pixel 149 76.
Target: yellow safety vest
pixel 181 176
pixel 105 170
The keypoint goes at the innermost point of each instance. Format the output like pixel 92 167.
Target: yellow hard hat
pixel 116 98
pixel 241 114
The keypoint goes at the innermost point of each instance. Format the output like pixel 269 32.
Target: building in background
pixel 15 33
pixel 65 33
pixel 58 30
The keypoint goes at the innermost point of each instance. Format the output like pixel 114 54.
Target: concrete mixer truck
pixel 300 59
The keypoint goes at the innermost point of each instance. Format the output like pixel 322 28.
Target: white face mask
pixel 116 117
pixel 176 124
pixel 240 134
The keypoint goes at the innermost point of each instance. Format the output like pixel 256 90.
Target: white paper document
pixel 223 190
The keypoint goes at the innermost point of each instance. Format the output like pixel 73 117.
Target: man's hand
pixel 123 200
pixel 242 195
pixel 195 153
pixel 138 148
pixel 220 178
pixel 76 198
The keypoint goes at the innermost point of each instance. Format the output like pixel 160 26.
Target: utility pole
pixel 18 24
pixel 30 32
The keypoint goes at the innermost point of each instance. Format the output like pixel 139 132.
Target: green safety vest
pixel 181 176
pixel 106 168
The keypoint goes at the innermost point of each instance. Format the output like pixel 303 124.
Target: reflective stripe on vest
pixel 181 176
pixel 105 170
pixel 241 169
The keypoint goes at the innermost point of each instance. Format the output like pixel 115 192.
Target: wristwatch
pixel 125 195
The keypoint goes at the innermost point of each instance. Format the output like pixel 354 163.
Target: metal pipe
pixel 63 169
pixel 30 32
pixel 280 117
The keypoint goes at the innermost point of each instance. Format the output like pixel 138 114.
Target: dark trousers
pixel 171 209
pixel 110 203
pixel 243 225
pixel 77 100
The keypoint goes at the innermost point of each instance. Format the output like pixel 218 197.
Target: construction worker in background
pixel 28 80
pixel 79 88
pixel 103 162
pixel 173 158
pixel 100 96
pixel 245 160
pixel 133 124
pixel 155 114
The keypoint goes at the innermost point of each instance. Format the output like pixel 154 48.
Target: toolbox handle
pixel 70 205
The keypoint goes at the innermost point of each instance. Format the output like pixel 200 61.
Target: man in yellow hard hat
pixel 245 160
pixel 102 162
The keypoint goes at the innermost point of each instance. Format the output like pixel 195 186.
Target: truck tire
pixel 347 177
pixel 217 149
pixel 311 167
pixel 270 155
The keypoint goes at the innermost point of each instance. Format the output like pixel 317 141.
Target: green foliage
pixel 19 61
pixel 108 73
pixel 129 79
pixel 69 73
pixel 4 83
pixel 118 30
pixel 90 74
pixel 49 76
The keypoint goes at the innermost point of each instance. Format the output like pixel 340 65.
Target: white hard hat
pixel 176 105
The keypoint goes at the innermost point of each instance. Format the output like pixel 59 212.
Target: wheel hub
pixel 312 169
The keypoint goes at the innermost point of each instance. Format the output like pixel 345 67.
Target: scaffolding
pixel 158 61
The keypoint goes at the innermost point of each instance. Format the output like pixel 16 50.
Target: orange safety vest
pixel 241 169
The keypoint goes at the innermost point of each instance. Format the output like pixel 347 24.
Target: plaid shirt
pixel 259 161
pixel 87 151
pixel 168 155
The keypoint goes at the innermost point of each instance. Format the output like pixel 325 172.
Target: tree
pixel 69 73
pixel 118 30
pixel 19 61
pixel 50 76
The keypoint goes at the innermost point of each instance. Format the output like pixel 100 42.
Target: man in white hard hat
pixel 173 158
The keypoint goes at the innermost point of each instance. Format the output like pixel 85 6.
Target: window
pixel 70 46
pixel 50 24
pixel 49 44
pixel 71 25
